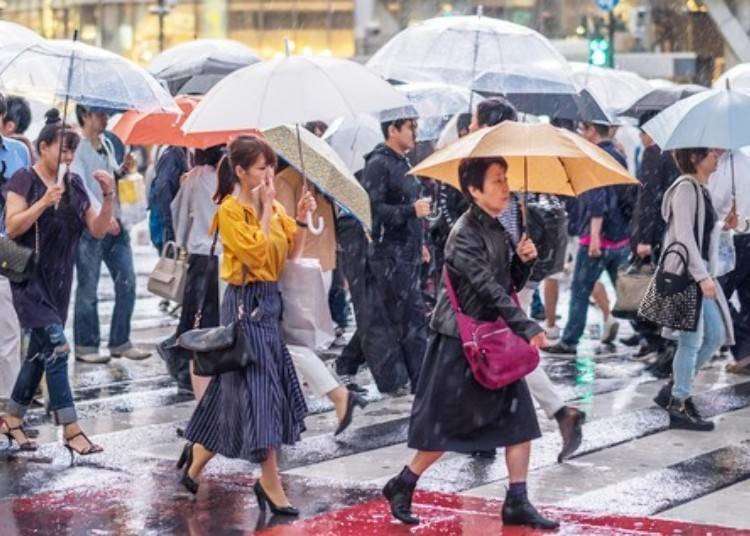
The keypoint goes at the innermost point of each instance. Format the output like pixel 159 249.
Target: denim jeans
pixel 115 252
pixel 695 348
pixel 586 273
pixel 47 354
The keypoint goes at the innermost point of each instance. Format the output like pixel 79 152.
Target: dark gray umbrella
pixel 660 99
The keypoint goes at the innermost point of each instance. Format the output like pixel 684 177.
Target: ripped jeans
pixel 47 354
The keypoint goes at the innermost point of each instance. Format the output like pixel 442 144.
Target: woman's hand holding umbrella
pixel 526 250
pixel 306 206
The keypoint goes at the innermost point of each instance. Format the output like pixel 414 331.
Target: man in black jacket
pixel 394 339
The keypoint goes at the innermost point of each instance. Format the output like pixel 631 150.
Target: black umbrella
pixel 658 99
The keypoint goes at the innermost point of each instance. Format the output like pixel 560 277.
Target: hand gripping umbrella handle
pixel 316 230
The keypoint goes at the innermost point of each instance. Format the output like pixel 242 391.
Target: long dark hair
pixel 243 151
pixel 52 132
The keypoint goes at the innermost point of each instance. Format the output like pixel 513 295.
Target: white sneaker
pixel 136 354
pixel 609 330
pixel 553 333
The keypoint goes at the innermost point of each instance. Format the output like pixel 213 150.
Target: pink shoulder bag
pixel 497 356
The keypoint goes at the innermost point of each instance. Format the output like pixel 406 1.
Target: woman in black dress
pixel 49 217
pixel 451 411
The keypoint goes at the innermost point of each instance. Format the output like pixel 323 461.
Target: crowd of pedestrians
pixel 239 214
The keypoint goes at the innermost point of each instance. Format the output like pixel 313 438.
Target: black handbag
pixel 674 299
pixel 219 349
pixel 18 263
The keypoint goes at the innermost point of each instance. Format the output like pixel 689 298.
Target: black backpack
pixel 548 229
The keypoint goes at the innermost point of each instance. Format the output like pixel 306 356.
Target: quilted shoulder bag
pixel 497 356
pixel 219 349
pixel 18 263
pixel 673 299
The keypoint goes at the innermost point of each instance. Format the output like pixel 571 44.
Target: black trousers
pixel 738 281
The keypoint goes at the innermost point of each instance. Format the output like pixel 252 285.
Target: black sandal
pixel 90 449
pixel 27 445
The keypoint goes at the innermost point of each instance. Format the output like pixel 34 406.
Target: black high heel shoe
pixel 263 498
pixel 27 445
pixel 186 460
pixel 91 448
pixel 353 400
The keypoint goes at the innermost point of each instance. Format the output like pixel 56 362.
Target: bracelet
pixel 301 223
pixel 108 194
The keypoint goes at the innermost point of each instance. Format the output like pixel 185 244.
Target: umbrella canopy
pixel 613 88
pixel 716 118
pixel 738 77
pixel 15 34
pixel 52 70
pixel 657 100
pixel 454 50
pixel 322 167
pixel 352 138
pixel 541 159
pixel 196 66
pixel 292 89
pixel 160 128
pixel 434 103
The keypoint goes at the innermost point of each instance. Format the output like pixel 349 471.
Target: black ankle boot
pixel 399 496
pixel 680 416
pixel 664 395
pixel 519 511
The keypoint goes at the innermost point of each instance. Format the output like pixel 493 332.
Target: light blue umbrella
pixel 717 118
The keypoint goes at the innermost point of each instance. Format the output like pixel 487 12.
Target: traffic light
pixel 599 52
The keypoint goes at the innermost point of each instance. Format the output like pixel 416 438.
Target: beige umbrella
pixel 320 164
pixel 541 159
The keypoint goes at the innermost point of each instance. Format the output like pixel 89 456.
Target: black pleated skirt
pixel 245 413
pixel 452 412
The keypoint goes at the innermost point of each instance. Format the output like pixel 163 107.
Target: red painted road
pixel 225 505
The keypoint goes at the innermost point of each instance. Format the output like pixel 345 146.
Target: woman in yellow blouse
pixel 249 413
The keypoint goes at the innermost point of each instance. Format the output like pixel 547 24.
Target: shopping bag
pixel 131 190
pixel 306 320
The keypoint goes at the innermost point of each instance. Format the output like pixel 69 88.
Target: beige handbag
pixel 632 282
pixel 168 278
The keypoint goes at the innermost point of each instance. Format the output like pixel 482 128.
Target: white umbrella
pixel 614 89
pixel 291 90
pixel 55 70
pixel 14 34
pixel 718 118
pixel 738 76
pixel 353 137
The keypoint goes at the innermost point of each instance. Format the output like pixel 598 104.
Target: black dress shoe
pixel 399 496
pixel 571 430
pixel 353 400
pixel 664 395
pixel 633 340
pixel 519 511
pixel 484 454
pixel 680 417
pixel 264 499
pixel 356 388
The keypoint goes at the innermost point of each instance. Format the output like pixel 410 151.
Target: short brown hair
pixel 684 158
pixel 471 172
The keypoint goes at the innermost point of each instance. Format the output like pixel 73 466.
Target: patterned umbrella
pixel 323 167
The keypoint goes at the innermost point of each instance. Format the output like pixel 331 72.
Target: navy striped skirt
pixel 244 413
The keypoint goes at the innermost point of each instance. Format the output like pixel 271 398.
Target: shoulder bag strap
pixel 199 311
pixel 450 291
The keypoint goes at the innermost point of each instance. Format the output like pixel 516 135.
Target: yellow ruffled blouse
pixel 245 243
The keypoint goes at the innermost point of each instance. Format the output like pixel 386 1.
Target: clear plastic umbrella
pixel 15 34
pixel 50 71
pixel 614 89
pixel 435 103
pixel 353 137
pixel 196 66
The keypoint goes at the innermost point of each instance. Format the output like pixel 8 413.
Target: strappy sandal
pixel 737 368
pixel 27 445
pixel 90 449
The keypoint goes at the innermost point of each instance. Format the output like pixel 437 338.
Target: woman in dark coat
pixel 451 411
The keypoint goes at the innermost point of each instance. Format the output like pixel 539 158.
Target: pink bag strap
pixel 451 293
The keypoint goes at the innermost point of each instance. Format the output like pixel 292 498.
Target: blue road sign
pixel 607 5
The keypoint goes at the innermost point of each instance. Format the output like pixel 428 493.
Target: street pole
pixel 161 25
pixel 611 39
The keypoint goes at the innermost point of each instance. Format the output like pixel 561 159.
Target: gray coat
pixel 679 209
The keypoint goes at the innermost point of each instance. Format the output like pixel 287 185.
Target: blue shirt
pixel 13 156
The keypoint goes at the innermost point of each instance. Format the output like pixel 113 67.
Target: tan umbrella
pixel 320 164
pixel 541 159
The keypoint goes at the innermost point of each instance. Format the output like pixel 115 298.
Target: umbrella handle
pixel 317 230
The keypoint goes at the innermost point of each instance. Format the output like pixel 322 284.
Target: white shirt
pixel 720 186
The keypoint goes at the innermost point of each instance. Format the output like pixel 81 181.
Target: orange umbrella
pixel 139 128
